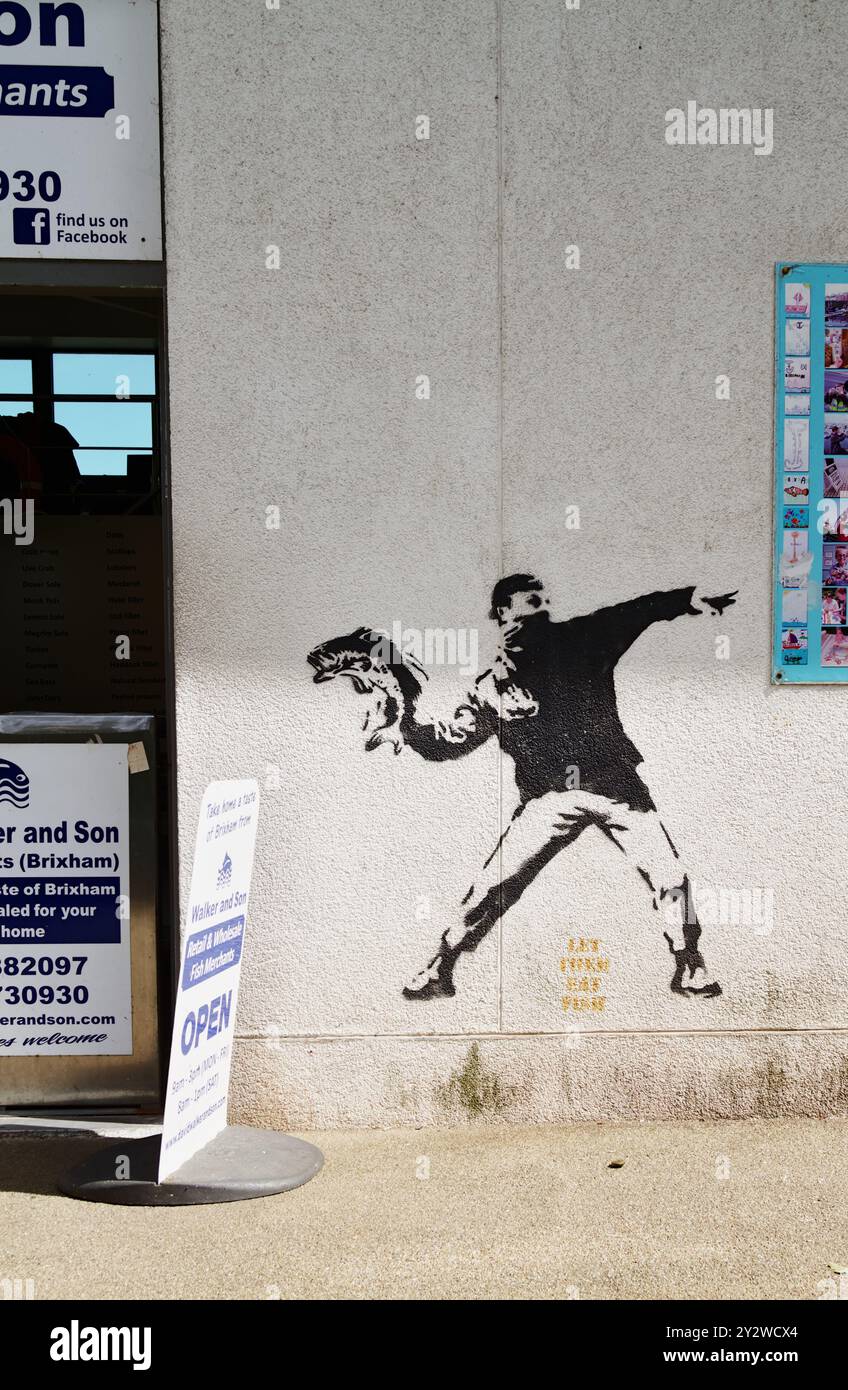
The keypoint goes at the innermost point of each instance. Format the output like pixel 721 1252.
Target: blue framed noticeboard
pixel 811 475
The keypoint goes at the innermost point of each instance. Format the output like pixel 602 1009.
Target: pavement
pixel 748 1209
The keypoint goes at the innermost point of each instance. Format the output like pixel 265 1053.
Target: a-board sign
pixel 79 130
pixel 65 980
pixel 210 967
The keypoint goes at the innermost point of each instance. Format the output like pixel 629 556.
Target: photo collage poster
pixel 811 507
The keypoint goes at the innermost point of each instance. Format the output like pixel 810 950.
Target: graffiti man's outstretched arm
pixel 616 628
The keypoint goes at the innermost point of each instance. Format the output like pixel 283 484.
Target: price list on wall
pixel 811 475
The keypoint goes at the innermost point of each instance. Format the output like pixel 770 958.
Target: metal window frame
pixel 44 395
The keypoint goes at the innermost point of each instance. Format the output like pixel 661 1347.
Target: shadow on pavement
pixel 35 1160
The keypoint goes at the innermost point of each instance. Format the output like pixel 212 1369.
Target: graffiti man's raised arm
pixel 618 627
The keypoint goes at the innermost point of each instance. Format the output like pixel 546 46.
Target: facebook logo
pixel 31 226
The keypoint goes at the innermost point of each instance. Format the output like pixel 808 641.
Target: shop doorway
pixel 85 598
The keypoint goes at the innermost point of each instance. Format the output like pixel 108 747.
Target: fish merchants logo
pixel 14 785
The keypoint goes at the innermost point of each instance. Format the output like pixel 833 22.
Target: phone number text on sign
pixel 65 978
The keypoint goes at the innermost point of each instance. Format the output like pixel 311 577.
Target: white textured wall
pixel 550 388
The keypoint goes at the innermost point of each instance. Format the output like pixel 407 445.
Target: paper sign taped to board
pixel 210 968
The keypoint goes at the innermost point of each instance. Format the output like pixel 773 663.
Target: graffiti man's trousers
pixel 541 828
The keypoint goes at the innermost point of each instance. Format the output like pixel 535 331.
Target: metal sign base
pixel 239 1163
